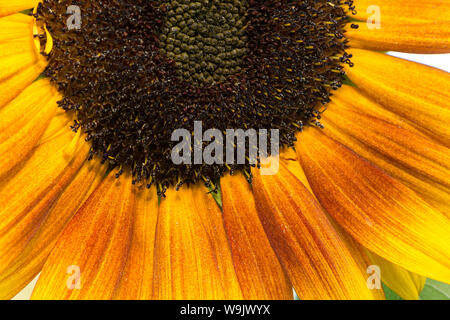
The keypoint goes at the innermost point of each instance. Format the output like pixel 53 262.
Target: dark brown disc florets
pixel 139 69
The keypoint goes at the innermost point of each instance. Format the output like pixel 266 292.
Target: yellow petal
pixel 16 46
pixel 192 255
pixel 14 64
pixel 23 122
pixel 21 110
pixel 259 272
pixel 396 147
pixel 416 92
pixel 405 25
pixel 137 277
pixel 8 7
pixel 17 26
pixel 408 36
pixel 377 210
pixel 20 62
pixel 29 194
pixel 407 285
pixel 60 123
pixel 429 10
pixel 15 84
pixel 365 264
pixel 31 253
pixel 14 23
pixel 318 263
pixel 89 256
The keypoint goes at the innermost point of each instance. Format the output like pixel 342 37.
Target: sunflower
pixel 91 90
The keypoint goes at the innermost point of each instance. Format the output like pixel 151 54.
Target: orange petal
pixel 405 25
pixel 377 210
pixel 9 7
pixel 31 253
pixel 137 278
pixel 384 139
pixel 89 256
pixel 192 255
pixel 259 272
pixel 416 92
pixel 316 259
pixel 23 122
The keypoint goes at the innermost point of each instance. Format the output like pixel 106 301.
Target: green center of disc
pixel 205 39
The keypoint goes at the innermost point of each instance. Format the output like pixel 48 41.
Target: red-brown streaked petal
pixel 378 211
pixel 257 267
pixel 318 263
pixel 24 121
pixel 89 256
pixel 406 284
pixel 192 254
pixel 11 6
pixel 358 252
pixel 137 276
pixel 416 92
pixel 29 258
pixel 30 193
pixel 392 144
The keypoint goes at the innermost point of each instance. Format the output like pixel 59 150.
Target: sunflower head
pixel 364 199
pixel 135 74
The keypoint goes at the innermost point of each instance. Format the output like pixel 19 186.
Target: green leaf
pixel 435 290
pixel 28 11
pixel 390 295
pixel 217 195
pixel 348 82
pixel 41 76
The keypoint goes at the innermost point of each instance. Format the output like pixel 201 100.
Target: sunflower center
pixel 205 39
pixel 133 71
